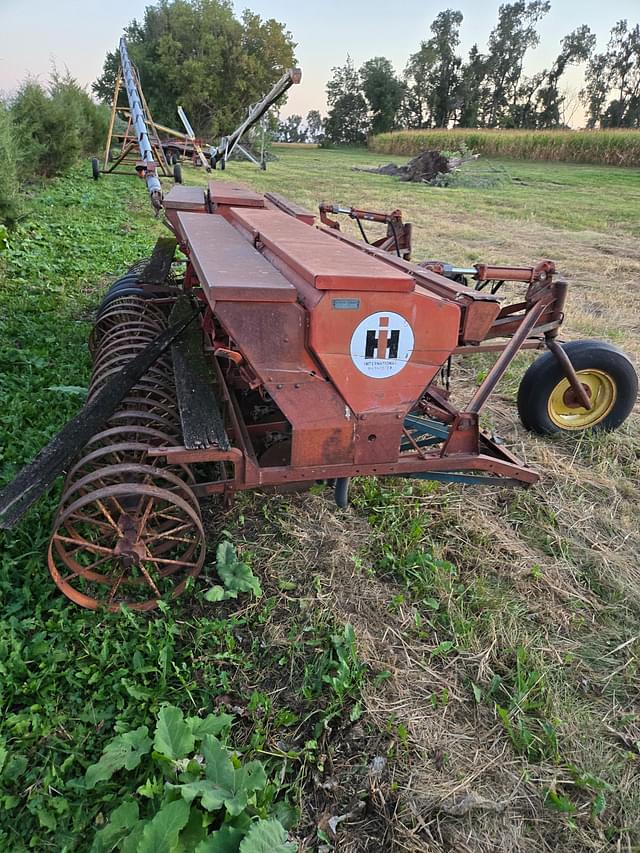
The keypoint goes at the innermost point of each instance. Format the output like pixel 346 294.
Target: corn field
pixel 608 147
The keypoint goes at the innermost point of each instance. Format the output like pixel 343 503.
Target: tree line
pixel 440 88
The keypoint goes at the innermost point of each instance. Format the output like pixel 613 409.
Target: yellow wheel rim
pixel 566 412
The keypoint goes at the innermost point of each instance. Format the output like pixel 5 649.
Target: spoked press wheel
pixel 547 404
pixel 130 543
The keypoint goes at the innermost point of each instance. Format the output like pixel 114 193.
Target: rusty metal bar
pixel 569 371
pixel 470 349
pixel 505 358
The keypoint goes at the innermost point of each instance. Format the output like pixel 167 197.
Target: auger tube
pixel 228 143
pixel 140 125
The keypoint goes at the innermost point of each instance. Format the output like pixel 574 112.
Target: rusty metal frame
pixel 397 239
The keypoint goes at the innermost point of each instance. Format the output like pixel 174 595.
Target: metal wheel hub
pixel 565 410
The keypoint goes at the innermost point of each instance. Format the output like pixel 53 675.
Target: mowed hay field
pixel 437 668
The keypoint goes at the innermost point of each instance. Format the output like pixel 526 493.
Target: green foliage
pixel 607 147
pixel 199 55
pixel 347 120
pixel 315 126
pixel 291 130
pixel 54 128
pixel 10 205
pixel 192 783
pixel 432 74
pixel 490 88
pixel 514 34
pixel 125 751
pixel 383 91
pixel 234 573
pixel 522 705
pixel 613 80
pixel 339 668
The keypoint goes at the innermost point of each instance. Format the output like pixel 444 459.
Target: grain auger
pixel 287 353
pixel 140 149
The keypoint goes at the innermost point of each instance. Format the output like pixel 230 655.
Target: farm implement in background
pixel 286 353
pixel 256 113
pixel 140 149
pixel 178 145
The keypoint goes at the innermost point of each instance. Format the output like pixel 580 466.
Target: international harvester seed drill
pixel 283 353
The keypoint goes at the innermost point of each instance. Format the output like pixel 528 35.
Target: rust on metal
pixel 228 268
pixel 312 356
pixel 308 252
pixel 233 195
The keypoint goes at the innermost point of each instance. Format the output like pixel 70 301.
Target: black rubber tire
pixel 545 373
pixel 95 168
pixel 341 492
pixel 177 173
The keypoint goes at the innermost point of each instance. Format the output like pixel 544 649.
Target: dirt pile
pixel 424 168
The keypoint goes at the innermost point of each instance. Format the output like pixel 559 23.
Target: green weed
pixel 522 704
pixel 196 794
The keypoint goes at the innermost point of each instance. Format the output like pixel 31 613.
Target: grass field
pixel 434 669
pixel 602 147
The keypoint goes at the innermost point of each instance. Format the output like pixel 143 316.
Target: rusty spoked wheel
pixel 153 382
pixel 126 543
pixel 146 418
pixel 127 319
pixel 113 435
pixel 121 453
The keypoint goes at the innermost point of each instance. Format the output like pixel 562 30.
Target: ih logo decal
pixel 382 344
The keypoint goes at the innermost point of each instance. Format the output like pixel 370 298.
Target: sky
pixel 77 35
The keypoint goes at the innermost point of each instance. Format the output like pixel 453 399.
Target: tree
pixel 347 121
pixel 290 130
pixel 198 54
pixel 575 48
pixel 523 111
pixel 612 91
pixel 509 41
pixel 315 126
pixel 383 91
pixel 432 73
pixel 55 126
pixel 472 91
pixel 10 201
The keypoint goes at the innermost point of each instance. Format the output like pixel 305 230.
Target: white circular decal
pixel 382 344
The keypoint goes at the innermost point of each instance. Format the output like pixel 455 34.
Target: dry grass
pixel 543 583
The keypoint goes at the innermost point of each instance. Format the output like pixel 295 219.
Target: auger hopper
pixel 291 354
